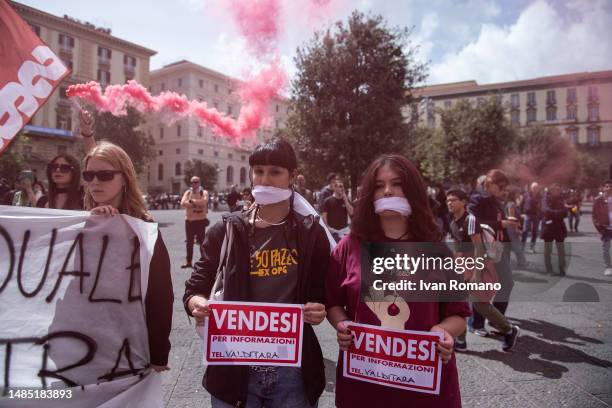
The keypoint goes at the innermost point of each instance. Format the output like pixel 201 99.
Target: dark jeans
pixel 280 387
pixel 504 272
pixel 573 220
pixel 531 225
pixel 548 255
pixel 194 229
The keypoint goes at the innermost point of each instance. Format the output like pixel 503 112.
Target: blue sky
pixel 485 40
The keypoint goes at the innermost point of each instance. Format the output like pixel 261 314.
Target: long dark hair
pixel 75 199
pixel 421 224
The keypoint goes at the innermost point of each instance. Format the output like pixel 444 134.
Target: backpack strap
pixel 227 242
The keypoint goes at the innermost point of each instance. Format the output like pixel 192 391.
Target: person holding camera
pixel 195 201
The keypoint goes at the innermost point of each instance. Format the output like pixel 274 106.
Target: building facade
pixel 93 54
pixel 579 105
pixel 185 140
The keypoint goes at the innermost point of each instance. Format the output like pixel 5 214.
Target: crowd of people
pixel 393 204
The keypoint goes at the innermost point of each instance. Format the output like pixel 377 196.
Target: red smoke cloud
pixel 258 21
pixel 255 95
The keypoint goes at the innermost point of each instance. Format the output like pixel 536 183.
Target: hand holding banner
pixel 394 358
pixel 245 333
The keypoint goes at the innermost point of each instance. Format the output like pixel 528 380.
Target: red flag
pixel 29 73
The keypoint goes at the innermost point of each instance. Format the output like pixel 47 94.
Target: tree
pixel 543 155
pixel 205 171
pixel 472 138
pixel 352 82
pixel 592 171
pixel 125 131
pixel 11 162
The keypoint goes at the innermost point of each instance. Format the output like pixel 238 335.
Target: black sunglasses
pixel 60 168
pixel 101 175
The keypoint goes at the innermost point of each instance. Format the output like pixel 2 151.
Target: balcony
pixel 65 52
pixel 129 72
pixel 104 63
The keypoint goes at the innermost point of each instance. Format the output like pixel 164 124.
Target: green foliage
pixel 125 131
pixel 352 82
pixel 205 171
pixel 592 171
pixel 543 155
pixel 472 138
pixel 11 162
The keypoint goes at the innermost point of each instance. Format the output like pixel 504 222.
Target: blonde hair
pixel 132 203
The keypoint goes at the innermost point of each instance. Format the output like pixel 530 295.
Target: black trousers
pixel 194 229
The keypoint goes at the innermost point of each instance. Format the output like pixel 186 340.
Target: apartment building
pixel 186 140
pixel 579 105
pixel 92 53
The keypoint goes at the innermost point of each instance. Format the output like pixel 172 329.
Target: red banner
pixel 29 73
pixel 243 333
pixel 394 358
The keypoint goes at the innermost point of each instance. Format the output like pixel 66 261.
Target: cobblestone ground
pixel 563 357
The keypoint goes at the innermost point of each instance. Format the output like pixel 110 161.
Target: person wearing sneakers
pixel 195 201
pixel 466 234
pixel 602 219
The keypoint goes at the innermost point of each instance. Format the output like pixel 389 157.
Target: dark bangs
pixel 274 152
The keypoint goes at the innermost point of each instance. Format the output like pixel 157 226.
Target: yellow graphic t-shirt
pixel 273 269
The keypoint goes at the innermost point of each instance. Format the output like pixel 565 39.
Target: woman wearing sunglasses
pixel 111 188
pixel 64 178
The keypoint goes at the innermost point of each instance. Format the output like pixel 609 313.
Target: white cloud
pixel 541 42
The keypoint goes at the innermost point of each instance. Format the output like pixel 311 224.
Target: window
pixel 178 151
pixel 277 123
pixel 66 42
pixel 160 172
pixel 594 112
pixel 515 116
pixel 104 77
pixel 514 101
pixel 216 154
pixel 571 95
pixel 201 83
pixel 177 169
pixel 242 175
pixel 243 158
pixel 200 151
pixel 180 82
pixel 230 156
pixel 199 131
pixel 531 115
pixel 230 175
pixel 161 152
pixel 277 108
pixel 104 54
pixel 178 130
pixel 62 93
pixel 161 133
pixel 447 104
pixel 229 110
pixel 431 120
pixel 216 88
pixel 63 121
pixel 551 98
pixel 572 135
pixel 593 136
pixel 572 112
pixel 593 94
pixel 35 28
pixel 129 61
pixel 216 105
pixel 551 113
pixel 163 86
pixel 531 99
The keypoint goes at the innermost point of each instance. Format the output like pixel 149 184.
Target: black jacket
pixel 230 383
pixel 553 213
pixel 531 204
pixel 488 210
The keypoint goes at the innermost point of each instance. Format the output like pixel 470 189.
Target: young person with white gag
pixel 281 220
pixel 392 207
